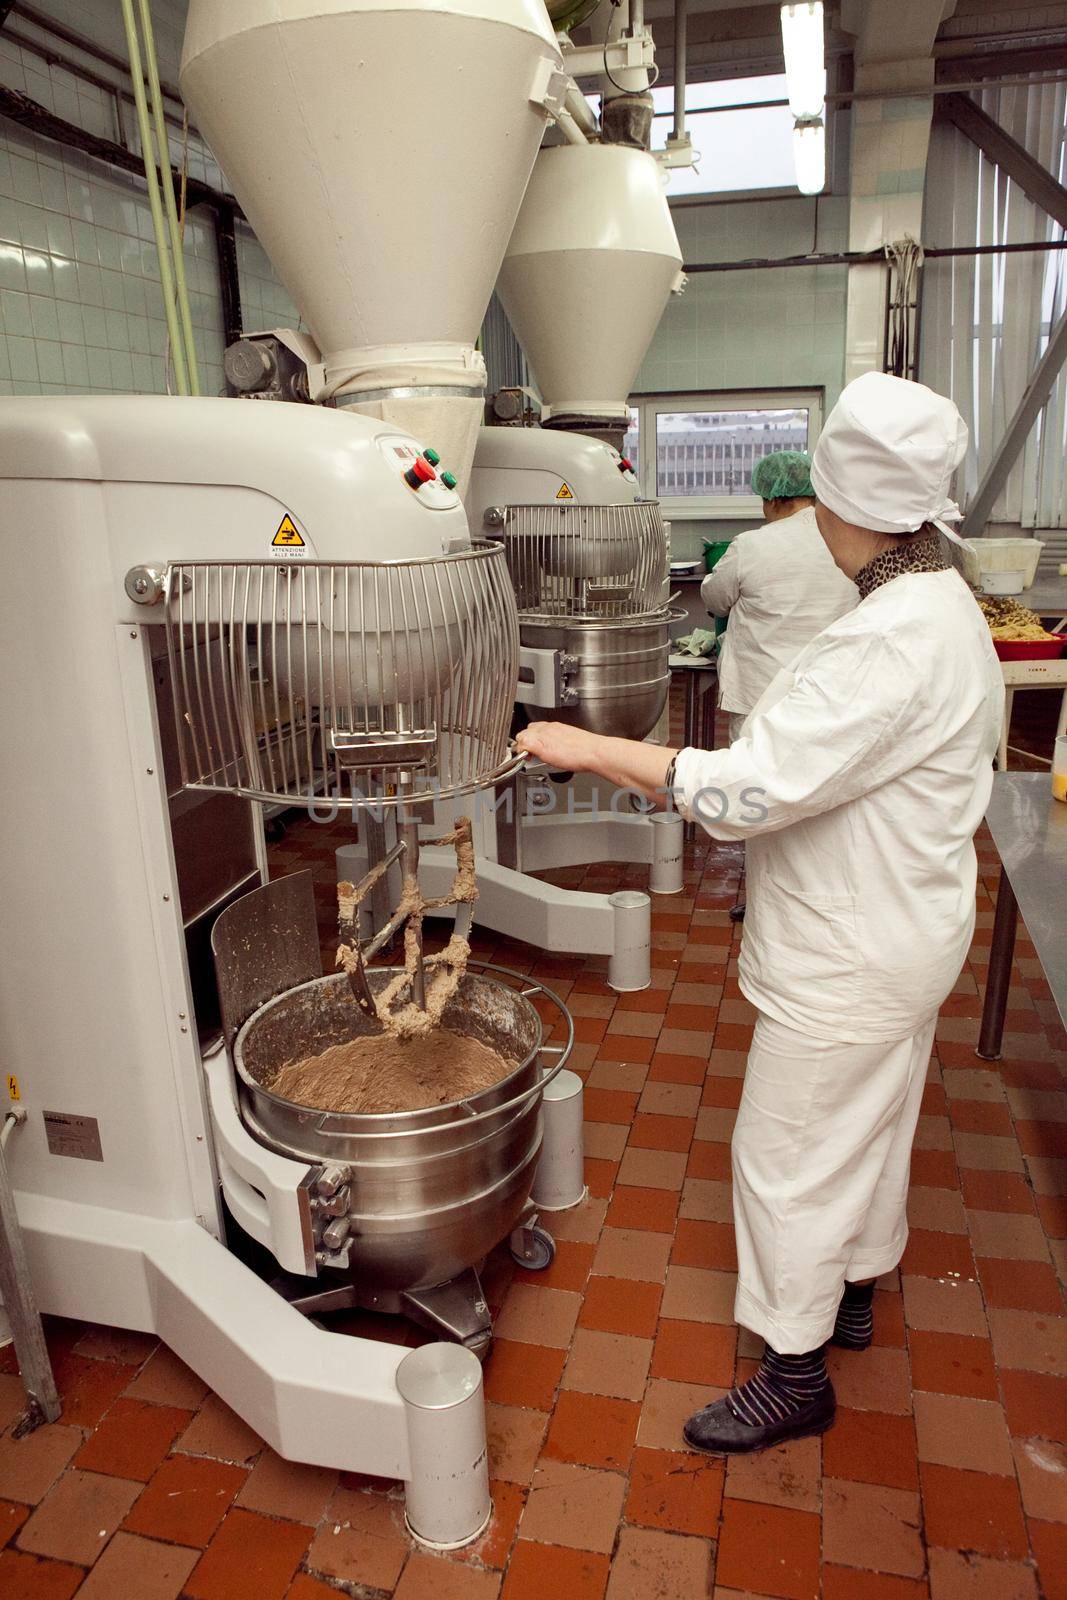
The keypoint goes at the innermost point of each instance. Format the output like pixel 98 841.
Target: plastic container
pixel 714 550
pixel 1003 583
pixel 1029 649
pixel 1008 555
pixel 1059 769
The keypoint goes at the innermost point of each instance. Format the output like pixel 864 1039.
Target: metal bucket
pixel 622 677
pixel 432 1191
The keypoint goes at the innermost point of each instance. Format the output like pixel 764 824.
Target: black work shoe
pixel 737 912
pixel 717 1431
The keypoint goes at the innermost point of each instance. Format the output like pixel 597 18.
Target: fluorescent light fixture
pixel 805 58
pixel 805 76
pixel 809 155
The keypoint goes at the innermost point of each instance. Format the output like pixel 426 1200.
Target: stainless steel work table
pixel 1029 829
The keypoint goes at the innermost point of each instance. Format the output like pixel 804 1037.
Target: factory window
pixel 738 150
pixel 696 452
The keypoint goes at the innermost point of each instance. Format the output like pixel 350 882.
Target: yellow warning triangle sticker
pixel 565 492
pixel 287 533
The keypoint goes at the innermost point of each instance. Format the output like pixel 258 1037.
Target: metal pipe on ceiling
pixel 46 125
pixel 681 18
pixel 56 58
pixel 81 41
pixel 862 258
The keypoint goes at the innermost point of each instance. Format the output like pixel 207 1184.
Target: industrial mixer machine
pixel 193 685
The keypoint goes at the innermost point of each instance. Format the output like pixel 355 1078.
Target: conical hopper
pixel 380 150
pixel 587 274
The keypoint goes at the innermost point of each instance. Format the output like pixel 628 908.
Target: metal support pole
pixel 17 1291
pixel 681 18
pixel 1027 411
pixel 708 705
pixel 998 981
pixel 229 276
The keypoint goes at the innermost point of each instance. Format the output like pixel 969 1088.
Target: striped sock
pixel 854 1328
pixel 780 1388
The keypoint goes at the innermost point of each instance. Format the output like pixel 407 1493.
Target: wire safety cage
pixel 349 684
pixel 586 561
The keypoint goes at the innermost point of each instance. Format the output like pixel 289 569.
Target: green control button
pixel 449 480
pixel 432 457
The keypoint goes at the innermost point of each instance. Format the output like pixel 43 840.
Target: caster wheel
pixel 274 831
pixel 537 1249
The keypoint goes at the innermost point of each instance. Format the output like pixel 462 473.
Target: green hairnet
pixel 785 475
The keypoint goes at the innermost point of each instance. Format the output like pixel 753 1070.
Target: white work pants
pixel 736 721
pixel 821 1153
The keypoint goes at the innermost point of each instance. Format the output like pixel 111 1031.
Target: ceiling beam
pixel 1034 397
pixel 894 30
pixel 1034 179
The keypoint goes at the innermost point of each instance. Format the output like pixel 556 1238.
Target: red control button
pixel 626 466
pixel 419 472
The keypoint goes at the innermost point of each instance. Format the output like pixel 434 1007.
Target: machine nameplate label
pixel 73 1136
pixel 564 492
pixel 13 1090
pixel 288 536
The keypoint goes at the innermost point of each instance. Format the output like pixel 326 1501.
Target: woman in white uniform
pixel 857 785
pixel 778 585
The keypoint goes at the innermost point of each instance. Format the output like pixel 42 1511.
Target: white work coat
pixel 858 784
pixel 780 587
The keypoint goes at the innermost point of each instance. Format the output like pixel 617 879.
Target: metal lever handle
pixel 365 752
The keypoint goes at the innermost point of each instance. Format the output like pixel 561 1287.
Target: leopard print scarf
pixel 922 554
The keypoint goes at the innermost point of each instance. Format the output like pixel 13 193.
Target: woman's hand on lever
pixel 627 763
pixel 559 745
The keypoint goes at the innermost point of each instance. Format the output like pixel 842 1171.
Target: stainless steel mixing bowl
pixel 623 676
pixel 432 1191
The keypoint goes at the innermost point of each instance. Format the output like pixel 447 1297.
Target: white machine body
pixel 520 466
pixel 380 149
pixel 132 1118
pixel 587 273
pixel 93 988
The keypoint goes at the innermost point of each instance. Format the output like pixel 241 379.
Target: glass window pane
pixel 736 149
pixel 631 444
pixel 702 453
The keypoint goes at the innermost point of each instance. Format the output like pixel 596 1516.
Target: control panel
pixel 433 485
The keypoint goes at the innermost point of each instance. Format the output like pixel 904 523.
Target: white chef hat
pixel 886 456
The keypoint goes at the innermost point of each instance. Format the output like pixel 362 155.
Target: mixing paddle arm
pixel 448 965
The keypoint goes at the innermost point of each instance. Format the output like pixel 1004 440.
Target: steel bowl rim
pixel 482 1114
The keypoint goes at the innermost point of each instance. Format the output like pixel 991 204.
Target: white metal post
pixel 448 1501
pixel 559 1182
pixel 629 965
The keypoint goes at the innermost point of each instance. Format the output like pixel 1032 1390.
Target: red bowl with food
pixel 1029 649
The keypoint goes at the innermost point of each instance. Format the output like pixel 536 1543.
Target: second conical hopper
pixel 590 265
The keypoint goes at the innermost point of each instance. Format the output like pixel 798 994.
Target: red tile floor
pixel 945 1477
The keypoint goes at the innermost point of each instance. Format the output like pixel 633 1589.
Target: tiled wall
pixel 81 306
pixel 752 330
